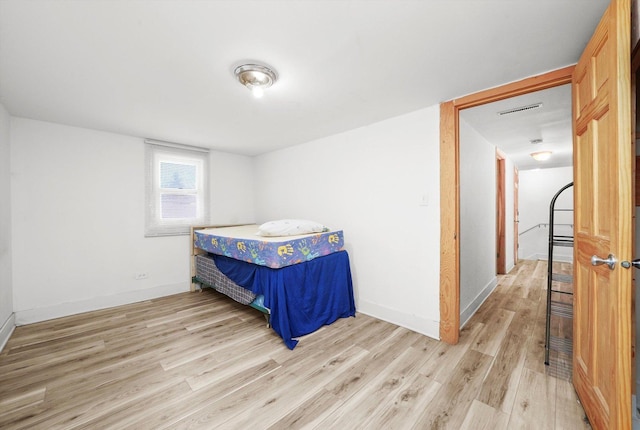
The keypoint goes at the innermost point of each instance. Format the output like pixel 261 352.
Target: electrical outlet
pixel 142 275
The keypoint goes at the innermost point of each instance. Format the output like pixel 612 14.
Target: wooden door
pixel 516 216
pixel 603 222
pixel 501 248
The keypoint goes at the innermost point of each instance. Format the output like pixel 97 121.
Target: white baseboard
pixel 544 257
pixel 473 307
pixel 6 330
pixel 534 257
pixel 394 316
pixel 30 316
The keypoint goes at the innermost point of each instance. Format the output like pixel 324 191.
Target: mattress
pixel 242 243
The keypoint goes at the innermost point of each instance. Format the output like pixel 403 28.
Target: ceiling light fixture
pixel 541 156
pixel 255 77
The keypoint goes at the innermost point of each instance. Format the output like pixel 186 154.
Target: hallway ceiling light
pixel 541 156
pixel 255 77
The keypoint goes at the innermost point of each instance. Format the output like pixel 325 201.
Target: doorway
pixel 495 138
pixel 450 194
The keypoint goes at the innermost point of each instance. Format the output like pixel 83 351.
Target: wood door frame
pixel 635 122
pixel 450 187
pixel 516 214
pixel 501 213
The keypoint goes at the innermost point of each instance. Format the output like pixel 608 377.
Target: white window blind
pixel 176 188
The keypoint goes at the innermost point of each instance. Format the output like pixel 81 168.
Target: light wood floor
pixel 198 360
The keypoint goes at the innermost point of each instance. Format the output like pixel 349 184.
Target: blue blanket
pixel 302 297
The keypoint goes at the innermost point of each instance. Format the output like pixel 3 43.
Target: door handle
pixel 627 264
pixel 609 261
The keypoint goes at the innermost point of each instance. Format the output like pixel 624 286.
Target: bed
pixel 300 282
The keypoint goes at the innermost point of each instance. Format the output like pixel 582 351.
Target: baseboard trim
pixel 402 319
pixel 30 316
pixel 544 257
pixel 6 330
pixel 473 307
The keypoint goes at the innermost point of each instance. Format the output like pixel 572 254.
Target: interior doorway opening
pixel 450 193
pixel 496 141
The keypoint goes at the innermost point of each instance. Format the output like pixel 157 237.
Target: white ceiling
pixel 512 133
pixel 164 69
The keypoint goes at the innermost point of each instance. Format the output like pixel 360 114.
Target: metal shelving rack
pixel 563 309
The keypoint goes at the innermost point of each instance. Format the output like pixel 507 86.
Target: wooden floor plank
pixel 569 412
pixel 309 413
pixel 484 417
pixel 187 407
pixel 447 357
pixel 501 384
pixel 199 360
pixel 361 374
pixel 449 408
pixel 535 402
pixel 362 406
pixel 288 395
pixel 407 405
pixel 21 400
pixel 492 336
pixel 271 395
pixel 534 358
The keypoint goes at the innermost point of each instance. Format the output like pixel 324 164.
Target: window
pixel 176 194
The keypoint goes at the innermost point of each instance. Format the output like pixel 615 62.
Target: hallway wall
pixel 537 188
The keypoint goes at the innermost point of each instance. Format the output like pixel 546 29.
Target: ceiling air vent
pixel 520 109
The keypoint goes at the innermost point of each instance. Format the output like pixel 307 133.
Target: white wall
pixel 78 220
pixel 537 188
pixel 477 220
pixel 231 180
pixel 6 282
pixel 370 182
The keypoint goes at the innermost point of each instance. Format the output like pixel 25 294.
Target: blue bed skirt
pixel 302 297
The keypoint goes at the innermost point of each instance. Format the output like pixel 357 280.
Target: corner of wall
pixel 6 330
pixel 7 317
pixel 403 319
pixel 473 307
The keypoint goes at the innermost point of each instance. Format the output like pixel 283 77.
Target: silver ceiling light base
pixel 255 77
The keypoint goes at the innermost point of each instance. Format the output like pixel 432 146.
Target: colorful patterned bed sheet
pixel 242 243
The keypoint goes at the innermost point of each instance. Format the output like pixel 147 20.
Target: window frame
pixel 157 152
